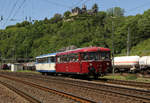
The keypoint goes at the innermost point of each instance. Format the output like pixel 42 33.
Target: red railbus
pixel 84 61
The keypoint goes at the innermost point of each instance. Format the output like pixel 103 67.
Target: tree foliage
pixel 116 11
pixel 50 35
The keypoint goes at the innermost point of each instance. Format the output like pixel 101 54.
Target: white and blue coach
pixel 45 64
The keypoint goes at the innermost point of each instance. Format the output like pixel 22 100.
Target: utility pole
pixel 113 68
pixel 128 42
pixel 26 55
pixel 1 61
pixel 14 54
pixel 113 47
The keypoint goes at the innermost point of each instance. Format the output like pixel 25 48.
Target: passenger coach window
pixel 84 56
pixel 73 57
pixel 70 57
pixel 76 57
pixel 52 59
pixel 42 60
pixel 63 58
pixel 49 60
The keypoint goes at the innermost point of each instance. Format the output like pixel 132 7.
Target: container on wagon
pixel 144 62
pixel 126 62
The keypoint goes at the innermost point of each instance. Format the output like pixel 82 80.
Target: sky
pixel 14 11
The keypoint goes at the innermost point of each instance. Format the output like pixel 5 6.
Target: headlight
pixel 90 64
pixel 107 64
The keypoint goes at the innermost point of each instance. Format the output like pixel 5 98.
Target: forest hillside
pixel 87 28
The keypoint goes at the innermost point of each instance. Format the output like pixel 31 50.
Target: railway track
pixel 67 95
pixel 135 94
pixel 22 94
pixel 139 95
pixel 116 91
pixel 141 85
pixel 127 83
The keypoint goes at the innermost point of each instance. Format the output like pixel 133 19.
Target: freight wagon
pixel 131 63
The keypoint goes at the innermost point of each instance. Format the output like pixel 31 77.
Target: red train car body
pixel 85 61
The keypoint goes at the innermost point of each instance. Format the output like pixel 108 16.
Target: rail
pixel 22 94
pixel 67 95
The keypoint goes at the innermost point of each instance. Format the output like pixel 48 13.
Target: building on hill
pixel 84 10
pixel 77 10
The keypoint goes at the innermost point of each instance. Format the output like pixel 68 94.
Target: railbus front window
pixel 93 56
pixel 90 56
pixel 105 55
pixel 49 60
pixel 75 57
pixel 42 60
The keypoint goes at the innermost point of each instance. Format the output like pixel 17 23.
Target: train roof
pixel 46 55
pixel 87 49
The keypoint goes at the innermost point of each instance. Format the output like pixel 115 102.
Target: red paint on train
pixel 90 61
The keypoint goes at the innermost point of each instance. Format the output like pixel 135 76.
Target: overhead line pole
pixel 113 46
pixel 128 42
pixel 113 68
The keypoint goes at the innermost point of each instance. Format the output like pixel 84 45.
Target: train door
pixel 105 58
pixel 60 64
pixel 84 62
pixel 74 64
pixel 52 63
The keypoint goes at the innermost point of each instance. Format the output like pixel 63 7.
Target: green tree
pixel 67 14
pixel 116 11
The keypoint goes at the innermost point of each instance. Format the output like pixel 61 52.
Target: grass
pixel 128 77
pixel 5 70
pixel 115 77
pixel 143 80
pixel 26 71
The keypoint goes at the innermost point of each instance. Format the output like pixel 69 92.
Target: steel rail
pixel 22 94
pixel 130 83
pixel 67 95
pixel 139 97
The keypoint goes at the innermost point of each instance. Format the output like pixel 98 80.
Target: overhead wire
pixel 138 7
pixel 19 8
pixel 76 4
pixel 13 7
pixel 56 3
pixel 60 4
